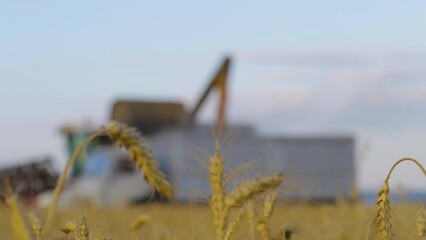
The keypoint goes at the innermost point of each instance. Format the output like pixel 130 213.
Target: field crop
pixel 250 210
pixel 344 220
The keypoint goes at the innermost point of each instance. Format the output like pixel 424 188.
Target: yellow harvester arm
pixel 219 82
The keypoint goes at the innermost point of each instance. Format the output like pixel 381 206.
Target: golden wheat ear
pixel 248 190
pixel 269 205
pixel 231 233
pixel 123 136
pixel 287 231
pixel 251 214
pixel 383 216
pixel 421 223
pixel 140 221
pixel 37 225
pixel 69 227
pixel 217 184
pixel 384 226
pixel 131 139
pixel 83 230
pixel 263 230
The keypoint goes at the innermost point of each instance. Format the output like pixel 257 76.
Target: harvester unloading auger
pixel 220 83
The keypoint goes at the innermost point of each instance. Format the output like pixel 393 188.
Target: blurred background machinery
pixel 323 164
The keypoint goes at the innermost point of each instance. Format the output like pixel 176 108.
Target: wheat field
pixel 250 210
pixel 323 222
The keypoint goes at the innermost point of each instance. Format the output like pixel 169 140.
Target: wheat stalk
pixel 248 190
pixel 60 185
pixel 17 221
pixel 132 141
pixel 19 227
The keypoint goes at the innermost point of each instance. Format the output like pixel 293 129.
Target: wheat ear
pixel 83 230
pixel 231 232
pixel 268 207
pixel 37 225
pixel 69 227
pixel 140 221
pixel 269 204
pixel 248 190
pixel 287 231
pixel 217 204
pixel 263 230
pixel 250 217
pixel 140 155
pixel 421 224
pixel 383 223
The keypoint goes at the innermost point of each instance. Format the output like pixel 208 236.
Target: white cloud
pixel 373 90
pixel 331 57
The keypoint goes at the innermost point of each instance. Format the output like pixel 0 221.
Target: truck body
pixel 318 168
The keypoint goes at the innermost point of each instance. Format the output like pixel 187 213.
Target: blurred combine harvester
pixel 29 178
pixel 323 165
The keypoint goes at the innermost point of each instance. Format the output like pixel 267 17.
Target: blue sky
pixel 301 67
